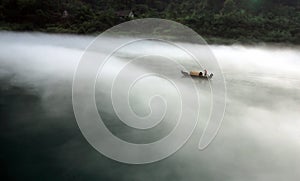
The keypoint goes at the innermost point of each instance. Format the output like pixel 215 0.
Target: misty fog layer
pixel 259 138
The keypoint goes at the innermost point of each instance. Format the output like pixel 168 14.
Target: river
pixel 259 138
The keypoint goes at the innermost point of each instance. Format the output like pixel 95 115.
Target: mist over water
pixel 259 138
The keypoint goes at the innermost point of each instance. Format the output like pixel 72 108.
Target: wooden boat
pixel 197 74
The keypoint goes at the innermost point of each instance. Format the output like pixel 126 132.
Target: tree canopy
pixel 217 20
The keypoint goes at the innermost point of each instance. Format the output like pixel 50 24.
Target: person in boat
pixel 205 72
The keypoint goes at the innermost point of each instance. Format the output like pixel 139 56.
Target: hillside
pixel 219 21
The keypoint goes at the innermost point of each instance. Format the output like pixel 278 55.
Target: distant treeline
pixel 218 20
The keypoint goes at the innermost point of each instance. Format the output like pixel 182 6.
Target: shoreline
pixel 211 41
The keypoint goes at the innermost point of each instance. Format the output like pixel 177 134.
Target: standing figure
pixel 205 72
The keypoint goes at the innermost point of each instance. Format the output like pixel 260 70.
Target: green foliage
pixel 234 20
pixel 229 6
